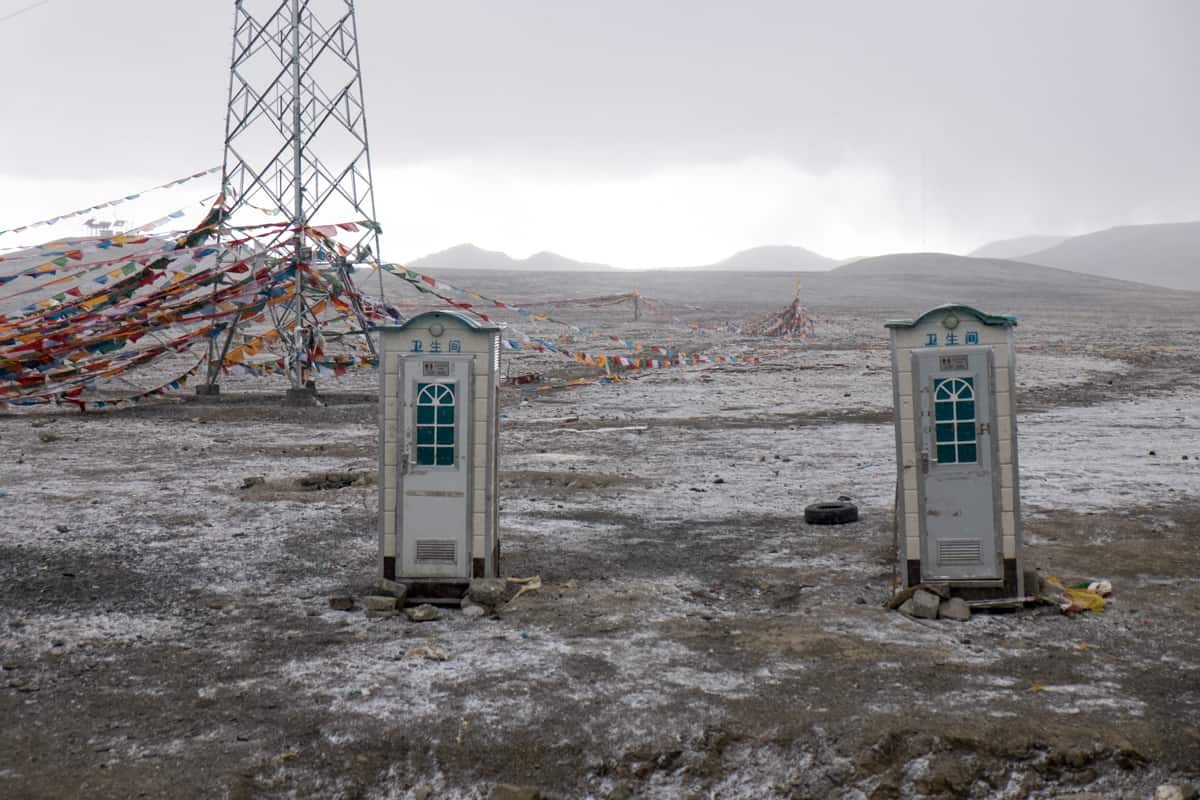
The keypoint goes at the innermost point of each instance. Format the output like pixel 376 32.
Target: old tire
pixel 838 513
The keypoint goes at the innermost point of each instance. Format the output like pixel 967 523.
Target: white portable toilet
pixel 958 499
pixel 437 448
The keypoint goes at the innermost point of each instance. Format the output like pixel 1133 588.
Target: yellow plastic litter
pixel 1086 600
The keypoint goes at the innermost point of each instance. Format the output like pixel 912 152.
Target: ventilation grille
pixel 437 551
pixel 954 552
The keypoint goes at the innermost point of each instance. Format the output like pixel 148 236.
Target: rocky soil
pixel 166 630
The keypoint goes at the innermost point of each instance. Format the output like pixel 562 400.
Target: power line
pixel 29 7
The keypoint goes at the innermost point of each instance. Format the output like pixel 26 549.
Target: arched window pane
pixel 955 431
pixel 435 423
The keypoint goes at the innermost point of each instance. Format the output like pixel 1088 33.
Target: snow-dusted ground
pixel 692 636
pixel 1084 458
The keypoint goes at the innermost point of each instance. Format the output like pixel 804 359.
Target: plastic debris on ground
pixel 1076 598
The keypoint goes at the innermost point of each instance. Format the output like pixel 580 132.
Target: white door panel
pixel 435 466
pixel 959 515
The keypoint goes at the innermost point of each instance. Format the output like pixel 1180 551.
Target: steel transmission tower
pixel 296 151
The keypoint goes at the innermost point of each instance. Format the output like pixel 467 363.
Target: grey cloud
pixel 1065 114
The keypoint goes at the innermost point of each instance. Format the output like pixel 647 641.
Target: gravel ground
pixel 167 633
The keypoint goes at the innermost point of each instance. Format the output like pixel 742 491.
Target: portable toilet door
pixel 435 466
pixel 960 519
pixel 438 503
pixel 958 507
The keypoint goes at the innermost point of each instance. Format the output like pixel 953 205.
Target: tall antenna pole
pixel 297 164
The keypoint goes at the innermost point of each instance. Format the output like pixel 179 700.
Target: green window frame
pixel 436 414
pixel 955 432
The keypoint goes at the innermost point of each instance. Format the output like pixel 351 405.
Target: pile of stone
pixel 922 602
pixel 387 599
pixel 792 322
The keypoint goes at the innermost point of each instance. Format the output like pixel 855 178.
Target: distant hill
pixel 1164 255
pixel 947 266
pixel 891 286
pixel 1016 248
pixel 940 277
pixel 774 257
pixel 468 256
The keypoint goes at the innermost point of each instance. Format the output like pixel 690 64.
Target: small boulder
pixel 955 608
pixel 253 480
pixel 620 792
pixel 473 611
pixel 378 602
pixel 925 604
pixel 382 613
pixel 396 590
pixel 906 608
pixel 506 791
pixel 341 603
pixel 423 613
pixel 898 599
pixel 1175 791
pixel 947 776
pixel 487 592
pixel 430 652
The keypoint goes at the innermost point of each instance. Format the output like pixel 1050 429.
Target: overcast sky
pixel 644 133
